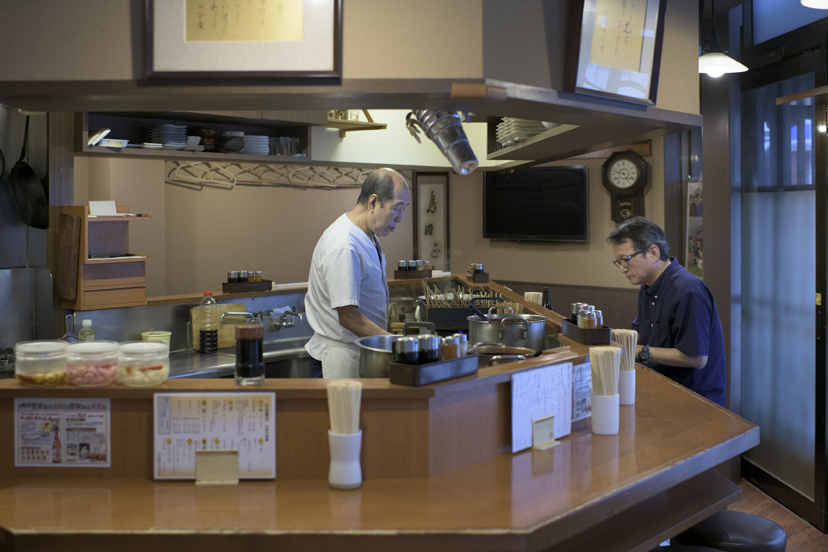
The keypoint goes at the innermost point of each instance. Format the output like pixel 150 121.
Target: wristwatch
pixel 644 353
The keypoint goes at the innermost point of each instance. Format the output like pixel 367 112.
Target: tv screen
pixel 544 204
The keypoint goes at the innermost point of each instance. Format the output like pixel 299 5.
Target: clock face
pixel 623 174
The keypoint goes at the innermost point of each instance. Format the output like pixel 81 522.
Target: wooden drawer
pixel 114 276
pixel 109 298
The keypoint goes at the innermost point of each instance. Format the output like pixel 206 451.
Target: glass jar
pixel 143 363
pixel 406 350
pixel 451 347
pixel 40 362
pixel 91 363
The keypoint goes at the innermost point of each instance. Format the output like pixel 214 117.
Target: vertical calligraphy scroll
pixel 432 220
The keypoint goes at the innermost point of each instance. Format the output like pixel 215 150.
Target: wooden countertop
pixel 591 492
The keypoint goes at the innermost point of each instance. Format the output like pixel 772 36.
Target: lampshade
pixel 816 4
pixel 717 64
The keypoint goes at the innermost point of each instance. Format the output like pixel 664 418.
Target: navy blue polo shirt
pixel 678 311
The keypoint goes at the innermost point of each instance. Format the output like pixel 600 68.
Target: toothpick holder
pixel 626 387
pixel 345 472
pixel 605 413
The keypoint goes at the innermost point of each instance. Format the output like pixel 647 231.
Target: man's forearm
pixel 357 323
pixel 674 357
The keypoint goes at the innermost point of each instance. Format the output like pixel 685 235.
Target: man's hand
pixel 357 323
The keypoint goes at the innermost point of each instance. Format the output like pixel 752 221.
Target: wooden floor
pixel 802 536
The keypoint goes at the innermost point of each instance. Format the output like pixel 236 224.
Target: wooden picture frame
pixel 430 199
pixel 289 39
pixel 619 60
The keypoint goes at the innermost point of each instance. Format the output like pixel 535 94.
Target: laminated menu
pixel 539 393
pixel 187 422
pixel 62 433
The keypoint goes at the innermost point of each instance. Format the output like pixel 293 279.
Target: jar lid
pixel 451 340
pixel 143 348
pixel 407 345
pixel 429 342
pixel 42 347
pixel 462 338
pixel 249 331
pixel 92 347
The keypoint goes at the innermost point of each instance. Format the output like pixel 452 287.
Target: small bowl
pixel 234 133
pixel 193 140
pixel 157 336
pixel 231 145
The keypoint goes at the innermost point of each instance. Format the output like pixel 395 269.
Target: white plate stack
pixel 511 131
pixel 171 136
pixel 255 145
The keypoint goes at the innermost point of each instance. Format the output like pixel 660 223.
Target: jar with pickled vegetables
pixel 40 362
pixel 91 363
pixel 143 363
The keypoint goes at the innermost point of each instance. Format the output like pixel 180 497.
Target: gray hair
pixel 380 182
pixel 642 233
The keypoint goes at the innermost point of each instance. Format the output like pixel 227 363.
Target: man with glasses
pixel 347 294
pixel 679 332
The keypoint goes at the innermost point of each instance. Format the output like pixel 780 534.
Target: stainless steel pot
pixel 512 330
pixel 375 354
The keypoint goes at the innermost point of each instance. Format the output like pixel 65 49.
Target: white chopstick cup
pixel 345 472
pixel 626 387
pixel 605 414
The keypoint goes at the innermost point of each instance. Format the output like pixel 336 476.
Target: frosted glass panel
pixel 772 18
pixel 779 282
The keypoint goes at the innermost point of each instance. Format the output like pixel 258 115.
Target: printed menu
pixel 187 422
pixel 539 393
pixel 62 433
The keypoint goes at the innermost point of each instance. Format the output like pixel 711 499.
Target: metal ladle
pixel 70 325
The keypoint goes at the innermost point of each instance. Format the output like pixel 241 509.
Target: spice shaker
pixel 429 348
pixel 406 350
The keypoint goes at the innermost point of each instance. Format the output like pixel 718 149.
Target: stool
pixel 735 532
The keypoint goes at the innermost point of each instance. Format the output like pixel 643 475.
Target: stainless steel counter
pixel 282 359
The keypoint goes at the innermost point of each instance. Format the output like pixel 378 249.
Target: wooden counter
pixel 624 492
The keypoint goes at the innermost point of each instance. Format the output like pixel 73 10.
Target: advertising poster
pixel 62 433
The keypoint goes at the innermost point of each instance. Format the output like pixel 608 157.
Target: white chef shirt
pixel 346 269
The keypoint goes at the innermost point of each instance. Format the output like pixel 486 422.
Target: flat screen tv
pixel 547 204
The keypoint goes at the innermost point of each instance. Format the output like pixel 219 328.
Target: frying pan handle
pixel 477 312
pixel 25 140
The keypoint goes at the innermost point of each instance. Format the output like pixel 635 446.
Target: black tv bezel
pixel 544 238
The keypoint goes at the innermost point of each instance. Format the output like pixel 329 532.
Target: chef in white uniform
pixel 347 291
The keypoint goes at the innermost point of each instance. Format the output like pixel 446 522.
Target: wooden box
pixel 412 274
pixel 243 287
pixel 478 278
pixel 597 336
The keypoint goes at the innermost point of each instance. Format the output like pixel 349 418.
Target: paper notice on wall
pixel 619 34
pixel 539 393
pixel 62 433
pixel 187 422
pixel 245 21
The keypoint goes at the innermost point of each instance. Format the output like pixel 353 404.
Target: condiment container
pixel 406 350
pixel 451 347
pixel 242 275
pixel 429 348
pixel 91 363
pixel 402 265
pixel 143 363
pixel 40 362
pixel 259 276
pixel 418 265
pixel 250 368
pixel 464 343
pixel 412 265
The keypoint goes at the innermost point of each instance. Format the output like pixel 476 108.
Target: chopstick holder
pixel 344 437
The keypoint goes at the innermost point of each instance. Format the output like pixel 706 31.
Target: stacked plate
pixel 256 145
pixel 511 131
pixel 171 136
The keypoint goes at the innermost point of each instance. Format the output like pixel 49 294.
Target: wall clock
pixel 625 174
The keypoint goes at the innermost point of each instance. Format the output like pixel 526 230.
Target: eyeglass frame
pixel 624 262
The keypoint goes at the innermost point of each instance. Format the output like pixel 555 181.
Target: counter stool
pixel 735 532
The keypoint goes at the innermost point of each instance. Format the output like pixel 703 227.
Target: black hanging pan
pixel 27 195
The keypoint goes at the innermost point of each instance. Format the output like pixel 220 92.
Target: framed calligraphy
pixel 431 224
pixel 210 39
pixel 615 48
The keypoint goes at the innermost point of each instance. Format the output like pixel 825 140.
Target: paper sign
pixel 61 433
pixel 189 422
pixel 619 34
pixel 539 393
pixel 103 208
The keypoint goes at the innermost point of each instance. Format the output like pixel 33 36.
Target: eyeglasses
pixel 624 262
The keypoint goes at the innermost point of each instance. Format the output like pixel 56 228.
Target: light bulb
pixel 822 129
pixel 715 72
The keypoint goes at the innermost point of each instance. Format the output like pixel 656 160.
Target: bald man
pixel 347 291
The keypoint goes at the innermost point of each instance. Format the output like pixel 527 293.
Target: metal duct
pixel 445 129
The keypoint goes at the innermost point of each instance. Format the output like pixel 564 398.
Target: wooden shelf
pixel 352 126
pixel 91 284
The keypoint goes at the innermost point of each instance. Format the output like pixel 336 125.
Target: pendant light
pixel 816 4
pixel 714 61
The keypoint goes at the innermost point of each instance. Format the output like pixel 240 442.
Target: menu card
pixel 539 393
pixel 186 422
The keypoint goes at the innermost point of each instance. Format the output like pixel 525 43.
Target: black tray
pixel 596 336
pixel 416 375
pixel 244 287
